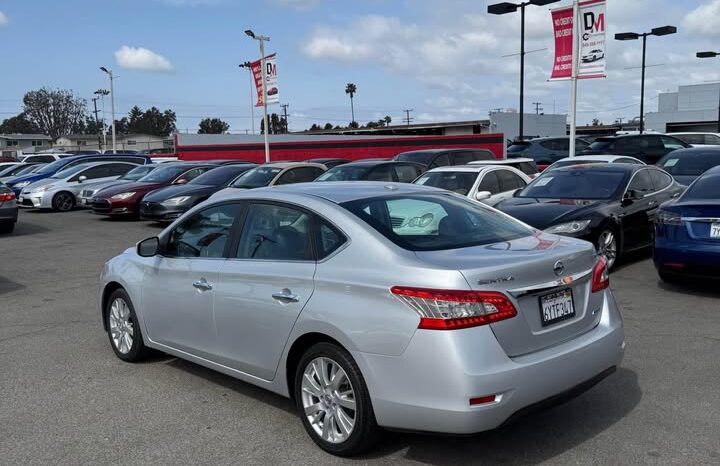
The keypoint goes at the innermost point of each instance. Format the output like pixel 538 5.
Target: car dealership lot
pixel 66 399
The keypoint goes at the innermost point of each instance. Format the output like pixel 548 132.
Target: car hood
pixel 544 213
pixel 169 192
pixel 104 184
pixel 40 183
pixel 30 178
pixel 133 186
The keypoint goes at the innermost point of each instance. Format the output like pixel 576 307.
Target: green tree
pixel 314 127
pixel 387 120
pixel 213 126
pixel 55 112
pixel 92 126
pixel 151 121
pixel 351 89
pixel 19 124
pixel 277 124
pixel 328 126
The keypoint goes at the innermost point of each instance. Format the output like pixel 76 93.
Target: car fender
pixel 127 271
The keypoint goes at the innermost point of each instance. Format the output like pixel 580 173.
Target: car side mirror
pixel 181 181
pixel 483 195
pixel 82 178
pixel 148 247
pixel 631 196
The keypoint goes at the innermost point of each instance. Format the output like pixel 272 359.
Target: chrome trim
pixel 547 286
pixel 700 219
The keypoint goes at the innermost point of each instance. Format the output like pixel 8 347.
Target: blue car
pixel 687 232
pixel 18 183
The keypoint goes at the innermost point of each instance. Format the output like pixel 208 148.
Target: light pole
pixel 97 121
pixel 711 55
pixel 102 93
pixel 505 8
pixel 262 40
pixel 112 104
pixel 248 65
pixel 661 31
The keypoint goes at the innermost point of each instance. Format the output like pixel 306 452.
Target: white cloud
pixel 302 5
pixel 142 59
pixel 3 19
pixel 704 19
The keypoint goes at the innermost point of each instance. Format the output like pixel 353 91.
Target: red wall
pixel 350 147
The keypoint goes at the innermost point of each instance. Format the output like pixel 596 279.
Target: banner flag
pixel 591 51
pixel 271 80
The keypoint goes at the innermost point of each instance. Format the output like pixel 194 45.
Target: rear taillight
pixel 455 309
pixel 7 197
pixel 665 217
pixel 600 276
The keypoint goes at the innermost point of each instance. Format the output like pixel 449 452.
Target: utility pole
pixel 97 121
pixel 538 107
pixel 112 103
pixel 102 93
pixel 407 118
pixel 285 115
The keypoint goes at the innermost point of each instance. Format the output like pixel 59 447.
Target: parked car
pixel 433 158
pixel 276 173
pixel 121 151
pixel 488 184
pixel 8 209
pixel 403 172
pixel 545 151
pixel 44 158
pixel 329 162
pixel 586 159
pixel 467 324
pixel 611 205
pixel 686 165
pixel 6 165
pixel 698 139
pixel 124 199
pixel 593 55
pixel 60 192
pixel 647 147
pixel 88 192
pixel 527 166
pixel 687 232
pixel 167 204
pixel 11 173
pixel 50 169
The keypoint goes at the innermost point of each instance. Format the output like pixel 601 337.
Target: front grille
pixel 100 204
pixel 397 221
pixel 27 203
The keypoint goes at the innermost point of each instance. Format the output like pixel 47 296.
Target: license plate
pixel 556 307
pixel 715 230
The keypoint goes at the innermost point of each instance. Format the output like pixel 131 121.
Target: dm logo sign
pixel 591 59
pixel 593 24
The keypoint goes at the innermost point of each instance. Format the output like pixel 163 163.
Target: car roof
pixel 435 151
pixel 474 168
pixel 375 163
pixel 503 162
pixel 598 158
pixel 606 167
pixel 284 165
pixel 698 150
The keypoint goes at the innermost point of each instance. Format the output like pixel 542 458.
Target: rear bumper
pixel 691 259
pixel 8 212
pixel 428 388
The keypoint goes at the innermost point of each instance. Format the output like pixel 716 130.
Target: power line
pixel 407 118
pixel 285 114
pixel 538 107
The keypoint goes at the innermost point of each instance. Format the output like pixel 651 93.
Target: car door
pixel 264 286
pixel 509 183
pixel 180 287
pixel 635 214
pixel 190 175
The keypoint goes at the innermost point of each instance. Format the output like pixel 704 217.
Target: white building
pixel 534 125
pixel 691 108
pixel 12 144
pixel 139 142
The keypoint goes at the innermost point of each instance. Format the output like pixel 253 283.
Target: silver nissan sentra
pixel 371 305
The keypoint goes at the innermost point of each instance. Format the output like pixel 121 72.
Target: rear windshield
pixel 420 157
pixel 164 174
pixel 137 173
pixel 434 222
pixel 220 176
pixel 679 164
pixel 602 144
pixel 345 173
pixel 459 182
pixel 575 183
pixel 256 178
pixel 707 187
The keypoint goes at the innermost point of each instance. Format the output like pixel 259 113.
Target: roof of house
pixel 25 136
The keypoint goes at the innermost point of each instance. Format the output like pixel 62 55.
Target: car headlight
pixel 569 228
pixel 421 222
pixel 22 184
pixel 176 200
pixel 47 187
pixel 122 196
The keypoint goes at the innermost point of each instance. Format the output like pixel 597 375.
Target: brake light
pixel 7 197
pixel 665 217
pixel 600 276
pixel 455 309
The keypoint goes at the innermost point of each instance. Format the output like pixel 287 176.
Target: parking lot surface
pixel 66 399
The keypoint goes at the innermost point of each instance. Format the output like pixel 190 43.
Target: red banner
pixel 563 27
pixel 256 68
pixel 270 78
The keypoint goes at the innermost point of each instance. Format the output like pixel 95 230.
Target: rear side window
pixel 273 232
pixel 660 179
pixel 672 143
pixel 642 182
pixel 381 173
pixel 406 173
pixel 441 160
pixel 527 168
pixel 461 158
pixel 329 239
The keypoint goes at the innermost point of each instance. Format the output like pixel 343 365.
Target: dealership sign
pixel 271 81
pixel 589 37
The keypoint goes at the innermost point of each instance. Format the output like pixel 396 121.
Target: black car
pixel 329 162
pixel 545 151
pixel 685 165
pixel 8 209
pixel 611 205
pixel 433 158
pixel 168 203
pixel 374 170
pixel 647 147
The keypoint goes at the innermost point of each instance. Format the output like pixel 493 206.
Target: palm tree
pixel 387 120
pixel 351 89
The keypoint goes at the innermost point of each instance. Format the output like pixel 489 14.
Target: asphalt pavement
pixel 66 399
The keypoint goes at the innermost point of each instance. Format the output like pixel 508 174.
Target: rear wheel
pixel 607 246
pixel 123 328
pixel 63 201
pixel 333 401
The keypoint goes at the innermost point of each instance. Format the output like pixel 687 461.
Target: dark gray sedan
pixel 8 209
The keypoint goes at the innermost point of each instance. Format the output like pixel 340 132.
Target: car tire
pixel 7 228
pixel 608 245
pixel 63 201
pixel 315 392
pixel 123 328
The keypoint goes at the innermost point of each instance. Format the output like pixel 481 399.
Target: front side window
pixel 458 182
pixel 441 160
pixel 192 174
pixel 461 158
pixel 381 173
pixel 256 178
pixel 406 173
pixel 275 232
pixel 490 183
pixel 509 181
pixel 672 143
pixel 204 234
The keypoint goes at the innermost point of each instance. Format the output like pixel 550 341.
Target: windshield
pixel 420 157
pixel 12 169
pixel 345 173
pixel 569 163
pixel 689 164
pixel 164 174
pixel 219 176
pixel 137 173
pixel 256 178
pixel 575 183
pixel 62 174
pixel 434 222
pixel 459 182
pixel 54 166
pixel 706 187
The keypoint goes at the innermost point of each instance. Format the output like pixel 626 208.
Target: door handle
pixel 202 285
pixel 286 296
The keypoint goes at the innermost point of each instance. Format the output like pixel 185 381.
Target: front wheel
pixel 63 201
pixel 333 401
pixel 607 246
pixel 123 328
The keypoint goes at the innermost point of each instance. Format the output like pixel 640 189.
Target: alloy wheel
pixel 121 325
pixel 64 202
pixel 607 247
pixel 328 400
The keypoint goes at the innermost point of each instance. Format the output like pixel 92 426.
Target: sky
pixel 446 60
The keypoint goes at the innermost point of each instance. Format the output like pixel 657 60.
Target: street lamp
pixel 248 65
pixel 262 40
pixel 102 93
pixel 660 31
pixel 505 8
pixel 112 103
pixel 711 55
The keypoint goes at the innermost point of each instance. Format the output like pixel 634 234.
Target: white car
pixel 43 157
pixel 488 184
pixel 593 55
pixel 586 159
pixel 60 192
pixel 698 139
pixel 524 164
